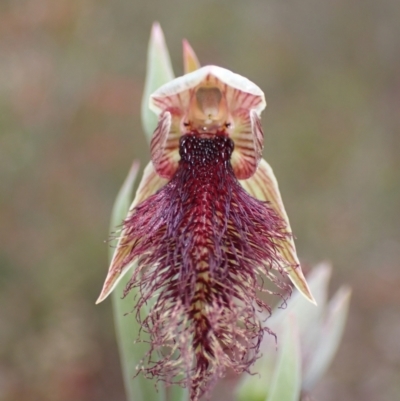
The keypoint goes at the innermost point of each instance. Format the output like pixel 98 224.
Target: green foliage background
pixel 71 79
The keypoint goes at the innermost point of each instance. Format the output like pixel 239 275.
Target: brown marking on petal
pixel 202 244
pixel 248 138
pixel 164 146
pixel 256 128
pixel 173 105
pixel 163 103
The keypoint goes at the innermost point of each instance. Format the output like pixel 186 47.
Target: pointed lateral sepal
pixel 159 71
pixel 190 60
pixel 264 186
pixel 127 327
pixel 150 184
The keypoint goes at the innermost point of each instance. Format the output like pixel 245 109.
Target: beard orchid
pixel 206 229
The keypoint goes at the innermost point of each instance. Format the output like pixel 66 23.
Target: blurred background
pixel 71 78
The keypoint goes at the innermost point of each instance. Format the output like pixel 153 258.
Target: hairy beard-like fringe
pixel 203 244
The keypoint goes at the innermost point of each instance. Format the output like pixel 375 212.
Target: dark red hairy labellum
pixel 202 244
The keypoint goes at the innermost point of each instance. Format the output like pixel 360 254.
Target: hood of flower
pixel 202 244
pixel 209 100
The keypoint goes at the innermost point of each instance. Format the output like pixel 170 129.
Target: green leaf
pixel 307 314
pixel 329 338
pixel 159 72
pixel 126 325
pixel 286 379
pixel 178 393
pixel 123 202
pixel 255 387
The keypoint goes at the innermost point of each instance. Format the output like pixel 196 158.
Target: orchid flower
pixel 206 228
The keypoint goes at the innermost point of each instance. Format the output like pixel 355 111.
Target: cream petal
pixel 151 182
pixel 264 186
pixel 177 93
